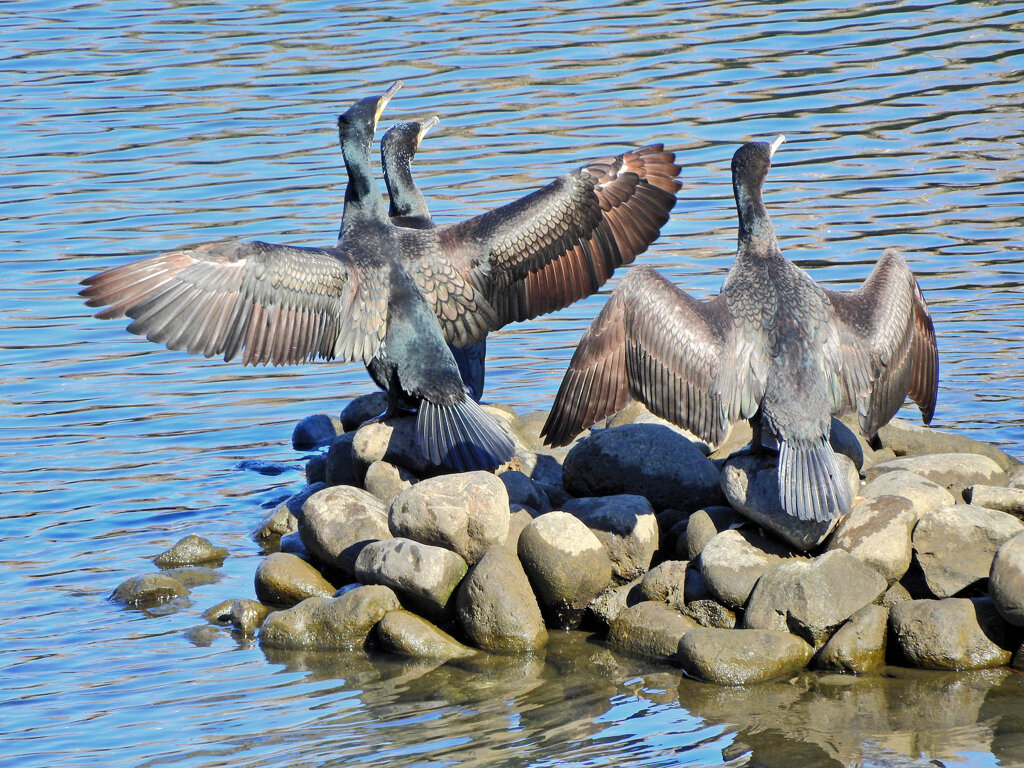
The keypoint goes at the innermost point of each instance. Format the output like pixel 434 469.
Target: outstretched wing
pixel 657 344
pixel 275 304
pixel 887 344
pixel 562 242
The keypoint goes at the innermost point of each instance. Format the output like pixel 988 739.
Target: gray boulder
pixel 877 532
pixel 751 485
pixel 649 629
pixel 923 494
pixel 740 656
pixel 908 439
pixel 496 607
pixel 386 481
pixel 339 466
pixel 896 593
pixel 610 603
pixel 285 579
pixel 1009 500
pixel 705 524
pixel 666 583
pixel 316 469
pixel 566 564
pixel 337 522
pixel 243 615
pixel 859 645
pixel 955 545
pixel 1006 580
pixel 329 623
pixel 424 577
pixel 812 598
pixel 407 634
pixel 646 460
pixel 519 518
pixel 524 492
pixel 284 519
pixel 393 441
pixel 315 430
pixel 734 560
pixel 710 613
pixel 955 633
pixel 625 525
pixel 636 412
pixel 363 408
pixel 148 590
pixel 953 471
pixel 467 513
pixel 191 550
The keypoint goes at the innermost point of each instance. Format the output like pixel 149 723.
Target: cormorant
pixel 773 347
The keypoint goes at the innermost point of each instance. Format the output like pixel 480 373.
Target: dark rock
pixel 314 430
pixel 955 633
pixel 387 482
pixel 908 439
pixel 649 629
pixel 740 656
pixel 627 528
pixel 877 532
pixel 363 408
pixel 407 634
pixel 329 623
pixel 339 463
pixel 496 607
pixel 953 471
pixel 734 560
pixel 243 615
pixel 636 412
pixel 859 645
pixel 606 606
pixel 812 598
pixel 285 579
pixel 316 469
pixel 263 467
pixel 148 590
pixel 621 461
pixel 284 519
pixel 522 490
pixel 202 636
pixel 1010 500
pixel 923 494
pixel 337 522
pixel 191 550
pixel 705 524
pixel 293 544
pixel 955 545
pixel 666 583
pixel 566 564
pixel 711 613
pixel 467 513
pixel 424 577
pixel 1006 580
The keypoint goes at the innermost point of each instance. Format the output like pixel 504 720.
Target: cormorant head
pixel 751 162
pixel 401 140
pixel 359 121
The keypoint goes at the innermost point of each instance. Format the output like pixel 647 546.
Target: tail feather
pixel 472 361
pixel 812 486
pixel 462 436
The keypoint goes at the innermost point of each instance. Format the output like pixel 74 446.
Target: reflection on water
pixel 133 128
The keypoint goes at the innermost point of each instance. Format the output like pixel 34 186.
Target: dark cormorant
pixel 773 347
pixel 393 297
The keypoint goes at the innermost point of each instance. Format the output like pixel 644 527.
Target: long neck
pixel 406 198
pixel 362 197
pixel 756 233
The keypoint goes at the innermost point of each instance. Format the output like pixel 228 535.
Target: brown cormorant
pixel 773 347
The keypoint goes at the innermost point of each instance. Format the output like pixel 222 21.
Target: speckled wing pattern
pixel 887 344
pixel 562 242
pixel 657 344
pixel 274 304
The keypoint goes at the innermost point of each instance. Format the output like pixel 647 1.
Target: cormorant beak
pixel 774 146
pixel 383 101
pixel 425 126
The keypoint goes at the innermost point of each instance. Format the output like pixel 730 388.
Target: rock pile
pixel 644 535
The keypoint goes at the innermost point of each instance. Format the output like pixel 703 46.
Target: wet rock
pixel 191 550
pixel 425 577
pixel 393 441
pixel 740 656
pixel 284 519
pixel 923 494
pixel 339 463
pixel 859 645
pixel 496 606
pixel 192 576
pixel 522 490
pixel 337 522
pixel 705 524
pixel 621 461
pixel 314 430
pixel 955 545
pixel 650 629
pixel 286 579
pixel 518 519
pixel 316 469
pixel 363 408
pixel 1006 580
pixel 666 583
pixel 877 532
pixel 387 482
pixel 329 623
pixel 812 598
pixel 955 633
pixel 407 634
pixel 625 525
pixel 566 564
pixel 734 560
pixel 202 636
pixel 751 485
pixel 1010 500
pixel 148 590
pixel 610 603
pixel 953 471
pixel 243 615
pixel 467 513
pixel 908 439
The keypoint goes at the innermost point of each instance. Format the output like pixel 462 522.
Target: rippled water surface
pixel 129 128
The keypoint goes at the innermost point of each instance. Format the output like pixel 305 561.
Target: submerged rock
pixel 955 633
pixel 147 590
pixel 625 525
pixel 337 522
pixel 1006 580
pixel 328 623
pixel 407 634
pixel 740 656
pixel 859 645
pixel 244 615
pixel 425 577
pixel 286 579
pixel 284 519
pixel 650 629
pixel 191 550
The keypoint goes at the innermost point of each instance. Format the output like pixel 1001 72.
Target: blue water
pixel 132 128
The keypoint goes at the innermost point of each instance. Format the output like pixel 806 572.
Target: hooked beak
pixel 774 146
pixel 383 101
pixel 425 126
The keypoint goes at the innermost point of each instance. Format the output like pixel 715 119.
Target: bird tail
pixel 812 486
pixel 461 435
pixel 471 362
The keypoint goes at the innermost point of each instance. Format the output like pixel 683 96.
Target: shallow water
pixel 131 128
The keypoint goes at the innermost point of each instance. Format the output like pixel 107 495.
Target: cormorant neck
pixel 406 198
pixel 362 196
pixel 756 233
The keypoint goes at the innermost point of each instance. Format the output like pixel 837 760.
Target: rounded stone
pixel 407 634
pixel 191 550
pixel 626 526
pixel 666 583
pixel 244 615
pixel 286 579
pixel 953 471
pixel 284 519
pixel 922 493
pixel 955 633
pixel 337 522
pixel 339 466
pixel 425 577
pixel 363 408
pixel 329 623
pixel 393 441
pixel 877 532
pixel 741 656
pixel 734 560
pixel 649 629
pixel 387 482
pixel 1006 580
pixel 705 524
pixel 905 438
pixel 315 430
pixel 858 646
pixel 991 497
pixel 524 491
pixel 566 564
pixel 148 590
pixel 606 606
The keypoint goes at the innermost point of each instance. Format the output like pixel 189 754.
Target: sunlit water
pixel 129 128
